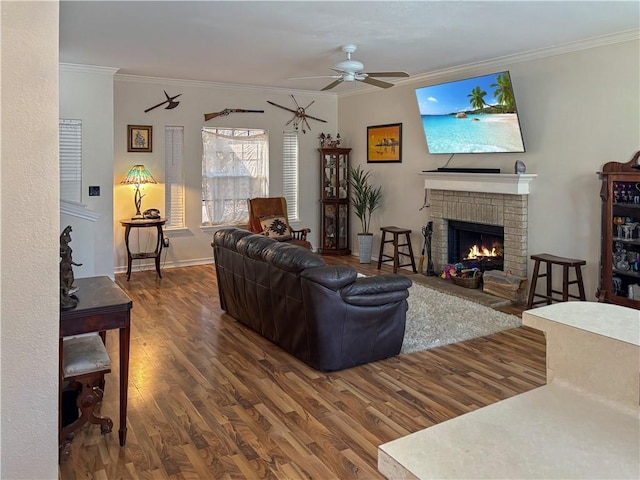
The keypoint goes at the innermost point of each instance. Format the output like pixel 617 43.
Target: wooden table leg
pixel 60 385
pixel 159 249
pixel 125 335
pixel 127 230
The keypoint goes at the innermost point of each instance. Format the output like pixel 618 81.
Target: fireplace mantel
pixel 508 183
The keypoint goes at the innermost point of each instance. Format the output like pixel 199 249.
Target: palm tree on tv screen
pixel 477 98
pixel 504 92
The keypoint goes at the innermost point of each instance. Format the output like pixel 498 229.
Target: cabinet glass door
pixel 330 226
pixel 343 231
pixel 330 176
pixel 626 238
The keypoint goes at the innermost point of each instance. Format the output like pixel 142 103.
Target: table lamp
pixel 138 175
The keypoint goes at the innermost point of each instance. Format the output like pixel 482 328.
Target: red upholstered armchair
pixel 268 216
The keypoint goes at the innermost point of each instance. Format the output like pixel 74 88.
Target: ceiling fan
pixel 352 70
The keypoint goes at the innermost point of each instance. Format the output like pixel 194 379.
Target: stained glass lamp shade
pixel 138 175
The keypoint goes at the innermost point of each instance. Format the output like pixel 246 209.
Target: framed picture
pixel 139 138
pixel 384 143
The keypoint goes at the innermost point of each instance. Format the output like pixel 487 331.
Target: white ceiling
pixel 267 43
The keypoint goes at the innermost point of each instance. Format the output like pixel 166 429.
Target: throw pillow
pixel 275 226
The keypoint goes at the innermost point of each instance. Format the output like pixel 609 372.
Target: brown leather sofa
pixel 325 316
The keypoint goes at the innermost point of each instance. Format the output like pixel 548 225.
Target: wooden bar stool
pixel 566 263
pixel 84 362
pixel 395 258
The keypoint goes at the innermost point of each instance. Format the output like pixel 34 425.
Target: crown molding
pixel 121 77
pixel 500 62
pixel 94 69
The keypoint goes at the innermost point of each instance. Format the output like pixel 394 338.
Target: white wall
pixel 86 93
pixel 133 95
pixel 29 245
pixel 578 111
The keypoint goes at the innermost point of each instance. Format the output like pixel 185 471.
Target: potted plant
pixel 365 198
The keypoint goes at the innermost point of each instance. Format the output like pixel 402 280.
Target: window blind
pixel 70 138
pixel 174 177
pixel 290 173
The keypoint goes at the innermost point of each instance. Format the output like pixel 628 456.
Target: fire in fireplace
pixel 476 244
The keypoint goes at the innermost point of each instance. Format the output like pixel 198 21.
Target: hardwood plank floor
pixel 210 399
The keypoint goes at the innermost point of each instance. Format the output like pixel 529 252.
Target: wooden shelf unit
pixel 620 195
pixel 334 217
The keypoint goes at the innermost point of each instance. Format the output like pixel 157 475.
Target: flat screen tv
pixel 475 115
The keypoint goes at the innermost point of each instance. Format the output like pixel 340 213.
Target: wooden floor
pixel 210 399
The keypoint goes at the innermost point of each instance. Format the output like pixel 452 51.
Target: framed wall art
pixel 139 138
pixel 384 143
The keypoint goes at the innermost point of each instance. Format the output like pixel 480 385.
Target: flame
pixel 475 252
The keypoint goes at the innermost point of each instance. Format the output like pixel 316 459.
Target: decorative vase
pixel 365 244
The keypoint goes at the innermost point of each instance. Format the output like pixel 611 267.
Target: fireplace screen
pixel 476 245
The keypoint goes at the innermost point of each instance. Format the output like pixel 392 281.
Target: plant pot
pixel 365 244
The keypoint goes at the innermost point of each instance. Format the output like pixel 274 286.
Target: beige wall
pixel 578 110
pixel 133 95
pixel 86 94
pixel 29 245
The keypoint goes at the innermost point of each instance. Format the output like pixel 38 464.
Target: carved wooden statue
pixel 67 298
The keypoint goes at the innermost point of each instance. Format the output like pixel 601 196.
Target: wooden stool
pixel 396 232
pixel 84 362
pixel 566 263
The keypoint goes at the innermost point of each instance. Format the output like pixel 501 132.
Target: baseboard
pixel 140 266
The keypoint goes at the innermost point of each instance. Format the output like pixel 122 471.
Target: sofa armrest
pixel 378 290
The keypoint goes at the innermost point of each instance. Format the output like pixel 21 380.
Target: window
pixel 174 179
pixel 70 137
pixel 290 173
pixel 235 165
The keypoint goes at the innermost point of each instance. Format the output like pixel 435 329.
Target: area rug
pixel 435 319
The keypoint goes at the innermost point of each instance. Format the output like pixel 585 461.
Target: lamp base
pixel 137 217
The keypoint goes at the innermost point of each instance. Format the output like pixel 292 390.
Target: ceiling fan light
pixel 349 76
pixel 349 66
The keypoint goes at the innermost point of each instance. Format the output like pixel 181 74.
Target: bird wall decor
pixel 299 115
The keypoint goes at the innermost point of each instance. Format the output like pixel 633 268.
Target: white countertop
pixel 550 432
pixel 606 319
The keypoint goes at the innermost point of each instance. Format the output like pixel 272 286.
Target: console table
pixel 102 306
pixel 128 224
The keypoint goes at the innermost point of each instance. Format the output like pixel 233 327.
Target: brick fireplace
pixel 489 199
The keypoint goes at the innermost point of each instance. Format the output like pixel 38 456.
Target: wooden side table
pixel 128 224
pixel 102 306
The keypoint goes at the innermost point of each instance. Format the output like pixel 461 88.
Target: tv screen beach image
pixel 474 115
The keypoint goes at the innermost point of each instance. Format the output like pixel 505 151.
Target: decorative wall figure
pixel 67 289
pixel 299 115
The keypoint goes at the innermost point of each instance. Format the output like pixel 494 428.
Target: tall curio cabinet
pixel 620 254
pixel 334 218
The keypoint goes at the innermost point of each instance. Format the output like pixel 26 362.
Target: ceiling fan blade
pixel 377 83
pixel 388 74
pixel 319 76
pixel 332 84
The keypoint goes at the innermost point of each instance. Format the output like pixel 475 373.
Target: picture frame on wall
pixel 384 143
pixel 139 138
